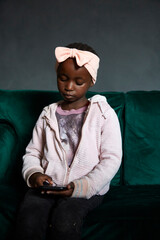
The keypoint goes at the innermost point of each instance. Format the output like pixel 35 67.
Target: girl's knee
pixel 66 221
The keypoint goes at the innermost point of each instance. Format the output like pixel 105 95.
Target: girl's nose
pixel 69 85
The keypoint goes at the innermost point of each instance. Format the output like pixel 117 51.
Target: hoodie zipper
pixel 65 180
pixel 62 150
pixel 69 168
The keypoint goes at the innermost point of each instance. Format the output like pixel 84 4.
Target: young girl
pixel 76 143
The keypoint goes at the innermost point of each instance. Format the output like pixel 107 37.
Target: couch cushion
pixel 127 212
pixel 128 203
pixel 142 138
pixel 10 199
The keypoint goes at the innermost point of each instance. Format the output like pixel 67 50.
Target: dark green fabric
pixel 10 199
pixel 128 203
pixel 142 138
pixel 127 213
pixel 8 150
pixel 110 230
pixel 22 108
pixel 123 230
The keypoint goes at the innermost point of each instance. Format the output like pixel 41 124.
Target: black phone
pixel 51 188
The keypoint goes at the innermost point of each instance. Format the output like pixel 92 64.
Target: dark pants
pixel 43 217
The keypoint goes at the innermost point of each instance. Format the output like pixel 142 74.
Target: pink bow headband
pixel 83 58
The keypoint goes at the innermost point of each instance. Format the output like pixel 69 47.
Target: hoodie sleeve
pixel 34 151
pixel 110 159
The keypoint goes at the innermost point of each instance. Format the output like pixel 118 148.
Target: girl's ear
pixel 91 84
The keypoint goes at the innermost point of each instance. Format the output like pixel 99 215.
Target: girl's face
pixel 73 83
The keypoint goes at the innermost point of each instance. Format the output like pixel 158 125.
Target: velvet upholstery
pixel 142 138
pixel 131 209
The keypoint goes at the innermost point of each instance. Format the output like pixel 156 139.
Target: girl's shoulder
pixel 51 107
pixel 48 110
pixel 101 103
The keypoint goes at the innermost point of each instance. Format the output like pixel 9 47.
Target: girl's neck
pixel 74 105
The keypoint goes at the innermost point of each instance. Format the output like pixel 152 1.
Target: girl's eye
pixel 80 82
pixel 62 78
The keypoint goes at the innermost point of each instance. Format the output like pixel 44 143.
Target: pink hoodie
pixel 98 156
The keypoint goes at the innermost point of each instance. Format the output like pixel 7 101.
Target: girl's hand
pixel 37 179
pixel 65 193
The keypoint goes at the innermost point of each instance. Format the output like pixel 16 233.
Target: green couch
pixel 131 209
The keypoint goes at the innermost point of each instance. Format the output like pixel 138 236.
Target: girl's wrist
pixel 33 177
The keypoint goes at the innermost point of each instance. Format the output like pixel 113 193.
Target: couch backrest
pixel 19 111
pixel 138 113
pixel 142 138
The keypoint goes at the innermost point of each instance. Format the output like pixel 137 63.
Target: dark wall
pixel 126 35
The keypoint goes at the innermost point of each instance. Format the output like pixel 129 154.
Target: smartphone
pixel 51 188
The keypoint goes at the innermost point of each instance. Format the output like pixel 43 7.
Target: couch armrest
pixel 8 150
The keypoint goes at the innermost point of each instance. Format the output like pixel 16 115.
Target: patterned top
pixel 70 124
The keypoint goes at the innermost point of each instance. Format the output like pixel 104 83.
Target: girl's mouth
pixel 68 95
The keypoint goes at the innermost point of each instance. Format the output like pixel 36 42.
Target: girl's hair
pixel 82 46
